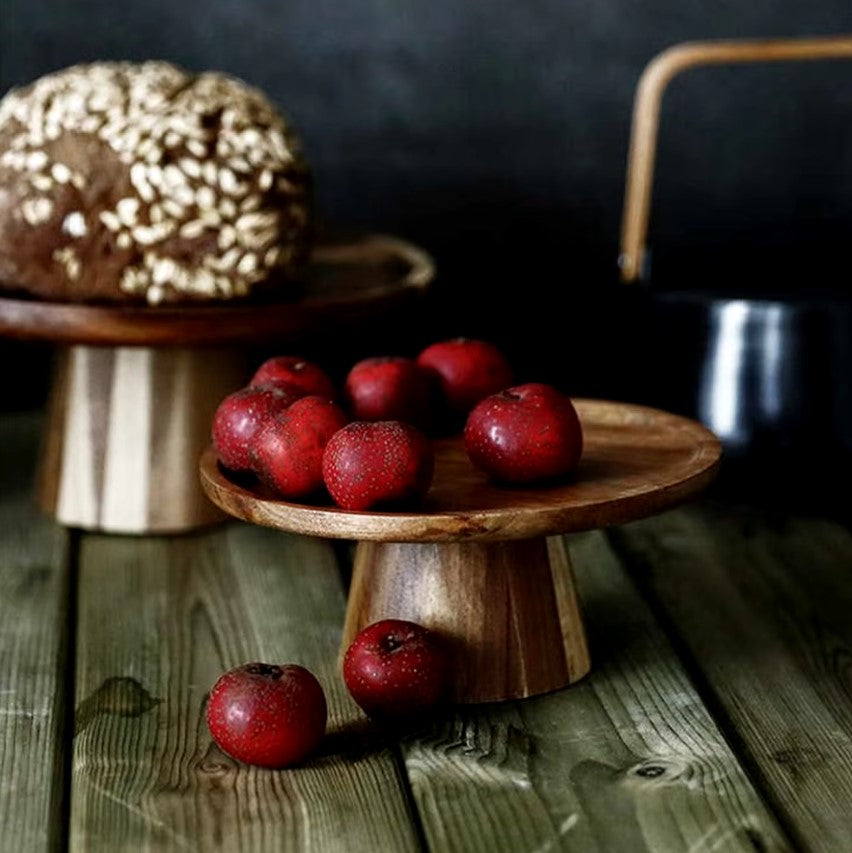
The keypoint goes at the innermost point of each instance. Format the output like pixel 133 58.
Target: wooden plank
pixel 629 759
pixel 763 604
pixel 33 629
pixel 159 620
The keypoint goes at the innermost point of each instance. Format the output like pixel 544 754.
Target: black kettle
pixel 769 374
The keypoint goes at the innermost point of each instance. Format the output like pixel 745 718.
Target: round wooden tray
pixel 636 461
pixel 474 559
pixel 345 280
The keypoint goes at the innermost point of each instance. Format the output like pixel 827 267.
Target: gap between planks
pixel 34 684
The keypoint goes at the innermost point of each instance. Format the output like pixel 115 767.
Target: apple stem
pixel 390 644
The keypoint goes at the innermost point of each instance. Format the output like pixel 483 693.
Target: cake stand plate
pixel 134 388
pixel 485 564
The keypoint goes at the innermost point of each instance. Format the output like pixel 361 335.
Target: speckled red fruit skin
pixel 266 714
pixel 392 388
pixel 296 372
pixel 288 450
pixel 378 464
pixel 239 418
pixel 469 370
pixel 525 434
pixel 395 667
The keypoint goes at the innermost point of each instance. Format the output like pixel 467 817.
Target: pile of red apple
pixel 371 445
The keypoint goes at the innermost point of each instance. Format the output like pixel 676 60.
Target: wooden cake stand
pixel 134 389
pixel 484 564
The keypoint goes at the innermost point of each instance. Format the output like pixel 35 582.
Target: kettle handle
pixel 658 73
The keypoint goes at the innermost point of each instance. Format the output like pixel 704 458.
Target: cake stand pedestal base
pixel 510 609
pixel 125 428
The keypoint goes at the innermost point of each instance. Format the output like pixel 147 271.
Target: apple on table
pixel 397 668
pixel 525 434
pixel 392 388
pixel 239 418
pixel 381 464
pixel 295 372
pixel 287 453
pixel 468 370
pixel 267 714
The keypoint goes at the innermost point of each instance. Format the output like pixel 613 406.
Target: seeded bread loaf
pixel 142 182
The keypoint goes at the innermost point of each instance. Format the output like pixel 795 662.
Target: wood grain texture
pixel 636 461
pixel 33 663
pixel 629 759
pixel 160 619
pixel 763 605
pixel 125 429
pixel 347 282
pixel 508 609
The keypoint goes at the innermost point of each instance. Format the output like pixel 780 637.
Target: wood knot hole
pixel 650 771
pixel 657 770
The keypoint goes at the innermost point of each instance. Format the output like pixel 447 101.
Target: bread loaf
pixel 143 182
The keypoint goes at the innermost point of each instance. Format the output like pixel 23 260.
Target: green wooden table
pixel 718 716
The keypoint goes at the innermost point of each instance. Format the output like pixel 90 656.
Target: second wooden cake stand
pixel 134 389
pixel 485 565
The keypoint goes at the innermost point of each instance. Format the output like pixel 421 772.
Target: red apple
pixel 469 370
pixel 265 714
pixel 395 667
pixel 297 373
pixel 525 434
pixel 239 418
pixel 288 451
pixel 392 388
pixel 378 464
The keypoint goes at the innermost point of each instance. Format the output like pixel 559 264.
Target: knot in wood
pixel 657 770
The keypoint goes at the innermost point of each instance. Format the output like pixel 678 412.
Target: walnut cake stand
pixel 134 389
pixel 486 565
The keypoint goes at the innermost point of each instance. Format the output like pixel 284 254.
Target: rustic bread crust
pixel 145 183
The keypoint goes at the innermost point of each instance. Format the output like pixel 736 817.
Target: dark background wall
pixel 495 135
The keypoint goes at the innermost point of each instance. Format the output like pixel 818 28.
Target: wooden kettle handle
pixel 646 117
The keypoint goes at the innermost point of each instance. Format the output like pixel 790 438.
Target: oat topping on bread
pixel 143 182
